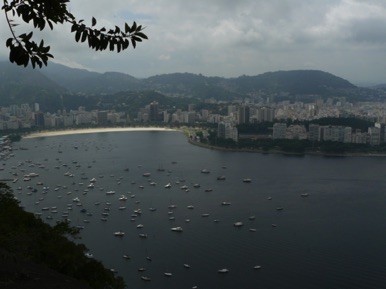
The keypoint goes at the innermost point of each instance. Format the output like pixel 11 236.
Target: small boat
pixel 252 230
pixel 225 204
pixel 252 217
pixel 146 174
pixel 247 180
pixel 127 257
pixel 221 178
pixel 279 208
pixel 168 185
pixel 176 229
pixel 142 235
pixel 304 195
pixel 257 267
pixel 274 225
pixel 119 234
pixel 196 185
pixel 204 215
pixel 209 190
pixel 139 226
pixel 168 274
pixel 144 278
pixel 89 255
pixel 223 271
pixel 205 171
pixel 186 266
pixel 190 207
pixel 141 269
pixel 110 193
pixel 238 224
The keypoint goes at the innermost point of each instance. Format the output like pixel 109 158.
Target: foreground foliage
pixel 47 13
pixel 31 239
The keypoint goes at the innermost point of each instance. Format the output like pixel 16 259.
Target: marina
pixel 158 225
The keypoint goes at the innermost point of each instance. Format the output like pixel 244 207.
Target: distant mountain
pixel 84 81
pixel 26 85
pixel 18 85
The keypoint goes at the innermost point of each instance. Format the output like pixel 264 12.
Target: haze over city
pixel 231 38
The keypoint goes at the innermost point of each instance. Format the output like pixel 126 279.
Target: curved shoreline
pixel 286 153
pixel 128 129
pixel 93 130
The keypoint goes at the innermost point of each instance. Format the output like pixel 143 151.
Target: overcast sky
pixel 231 38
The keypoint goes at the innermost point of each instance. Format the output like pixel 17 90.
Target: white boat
pixel 168 274
pixel 187 266
pixel 142 235
pixel 304 195
pixel 139 226
pixel 127 257
pixel 223 271
pixel 89 255
pixel 122 198
pixel 190 207
pixel 177 229
pixel 168 185
pixel 144 278
pixel 238 224
pixel 146 174
pixel 119 234
pixel 110 193
pixel 205 171
pixel 226 203
pixel 247 180
pixel 257 267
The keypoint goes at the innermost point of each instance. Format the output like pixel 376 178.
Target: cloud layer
pixel 232 38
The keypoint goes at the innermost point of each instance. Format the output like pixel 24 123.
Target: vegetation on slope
pixel 30 239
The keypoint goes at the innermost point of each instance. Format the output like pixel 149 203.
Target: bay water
pixel 307 221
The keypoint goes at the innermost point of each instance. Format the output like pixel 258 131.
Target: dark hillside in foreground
pixel 43 256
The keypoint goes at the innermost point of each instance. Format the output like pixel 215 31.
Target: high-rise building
pixel 243 114
pixel 314 132
pixel 102 117
pixel 153 111
pixel 279 130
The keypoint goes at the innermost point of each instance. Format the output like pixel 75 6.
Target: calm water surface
pixel 333 238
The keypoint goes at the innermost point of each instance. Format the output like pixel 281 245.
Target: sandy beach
pixel 94 130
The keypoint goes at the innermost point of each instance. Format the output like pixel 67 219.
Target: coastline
pixel 49 133
pixel 130 129
pixel 287 153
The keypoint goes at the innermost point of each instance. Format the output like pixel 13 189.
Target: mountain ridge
pixel 52 82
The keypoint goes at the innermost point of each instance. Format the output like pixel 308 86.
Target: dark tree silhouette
pixel 47 13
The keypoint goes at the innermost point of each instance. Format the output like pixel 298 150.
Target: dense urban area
pixel 228 124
